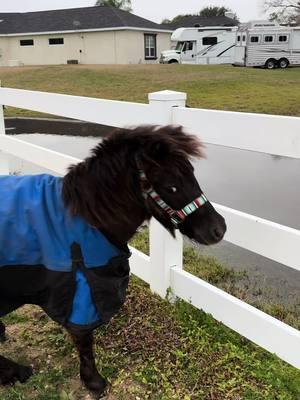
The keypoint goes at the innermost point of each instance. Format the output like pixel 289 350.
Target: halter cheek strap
pixel 176 216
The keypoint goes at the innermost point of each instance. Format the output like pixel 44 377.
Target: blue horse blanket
pixel 37 231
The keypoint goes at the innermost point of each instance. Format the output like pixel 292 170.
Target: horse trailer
pixel 267 44
pixel 207 45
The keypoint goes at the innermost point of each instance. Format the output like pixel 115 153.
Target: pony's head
pixel 135 174
pixel 169 188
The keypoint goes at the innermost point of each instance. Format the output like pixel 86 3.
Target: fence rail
pixel 269 134
pixel 163 268
pixel 106 112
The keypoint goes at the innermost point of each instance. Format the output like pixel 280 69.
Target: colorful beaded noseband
pixel 176 216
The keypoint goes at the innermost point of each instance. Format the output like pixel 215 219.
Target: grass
pixel 212 87
pixel 237 283
pixel 152 350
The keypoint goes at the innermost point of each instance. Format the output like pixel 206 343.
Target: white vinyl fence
pixel 163 269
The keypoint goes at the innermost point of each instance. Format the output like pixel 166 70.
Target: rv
pixel 267 44
pixel 207 45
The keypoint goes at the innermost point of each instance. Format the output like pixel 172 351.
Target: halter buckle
pixel 175 219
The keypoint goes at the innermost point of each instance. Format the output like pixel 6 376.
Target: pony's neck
pixel 105 191
pixel 121 236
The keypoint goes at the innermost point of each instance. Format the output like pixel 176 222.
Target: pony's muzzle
pixel 208 231
pixel 218 230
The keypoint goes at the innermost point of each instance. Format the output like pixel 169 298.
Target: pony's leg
pixel 10 372
pixel 2 332
pixel 88 371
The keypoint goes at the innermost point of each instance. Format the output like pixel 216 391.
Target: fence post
pixel 4 169
pixel 166 99
pixel 165 251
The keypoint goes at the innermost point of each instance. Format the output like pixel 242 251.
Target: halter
pixel 176 216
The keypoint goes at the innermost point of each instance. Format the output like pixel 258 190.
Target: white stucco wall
pixel 3 51
pixel 131 46
pixel 108 47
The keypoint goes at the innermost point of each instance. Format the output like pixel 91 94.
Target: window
pixel 56 41
pixel 179 46
pixel 150 46
pixel 254 39
pixel 269 39
pixel 282 38
pixel 188 46
pixel 26 42
pixel 239 38
pixel 244 38
pixel 209 41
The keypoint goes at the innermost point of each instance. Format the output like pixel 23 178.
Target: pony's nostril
pixel 217 233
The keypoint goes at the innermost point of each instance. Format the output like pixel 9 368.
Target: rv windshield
pixel 179 46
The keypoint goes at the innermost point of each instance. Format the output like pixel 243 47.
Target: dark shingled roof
pixel 191 21
pixel 73 19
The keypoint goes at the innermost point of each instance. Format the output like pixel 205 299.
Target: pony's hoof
pixel 24 373
pixel 96 386
pixel 9 376
pixel 2 337
pixel 2 332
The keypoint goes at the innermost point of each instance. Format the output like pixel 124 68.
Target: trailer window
pixel 209 41
pixel 269 39
pixel 282 38
pixel 254 39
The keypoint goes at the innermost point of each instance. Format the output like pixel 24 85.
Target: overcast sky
pixel 155 10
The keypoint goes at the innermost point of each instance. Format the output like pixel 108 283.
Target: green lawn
pixel 214 87
pixel 156 350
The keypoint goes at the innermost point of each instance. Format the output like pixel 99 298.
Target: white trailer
pixel 207 45
pixel 267 44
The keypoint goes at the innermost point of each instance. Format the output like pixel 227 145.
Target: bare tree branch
pixel 284 11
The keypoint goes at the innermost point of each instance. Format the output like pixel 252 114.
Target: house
pixel 87 35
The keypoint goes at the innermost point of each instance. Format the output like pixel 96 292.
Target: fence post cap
pixel 167 95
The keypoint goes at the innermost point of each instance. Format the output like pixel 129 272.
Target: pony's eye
pixel 172 189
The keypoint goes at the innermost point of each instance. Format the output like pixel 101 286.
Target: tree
pixel 205 12
pixel 121 4
pixel 283 11
pixel 216 12
pixel 176 19
pixel 213 11
pixel 166 21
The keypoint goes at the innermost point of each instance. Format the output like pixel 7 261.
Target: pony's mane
pixel 105 187
pixel 172 139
